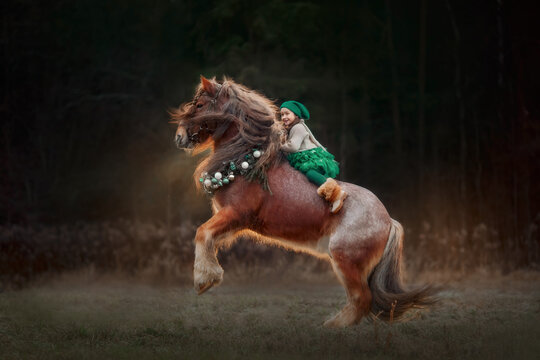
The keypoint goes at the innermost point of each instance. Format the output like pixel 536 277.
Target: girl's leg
pixel 316 177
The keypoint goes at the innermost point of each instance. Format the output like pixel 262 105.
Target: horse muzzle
pixel 181 141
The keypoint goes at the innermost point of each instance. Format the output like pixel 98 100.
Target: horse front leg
pixel 206 270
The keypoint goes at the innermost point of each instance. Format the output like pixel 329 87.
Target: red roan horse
pixel 274 202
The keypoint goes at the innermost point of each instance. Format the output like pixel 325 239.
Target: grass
pixel 95 318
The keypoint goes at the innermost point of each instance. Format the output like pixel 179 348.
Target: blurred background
pixel 432 105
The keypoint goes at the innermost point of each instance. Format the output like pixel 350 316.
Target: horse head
pixel 202 120
pixel 232 120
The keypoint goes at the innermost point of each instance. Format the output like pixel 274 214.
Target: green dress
pixel 316 159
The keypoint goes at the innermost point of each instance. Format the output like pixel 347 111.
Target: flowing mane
pixel 252 114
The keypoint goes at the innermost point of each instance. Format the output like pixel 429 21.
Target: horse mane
pixel 255 117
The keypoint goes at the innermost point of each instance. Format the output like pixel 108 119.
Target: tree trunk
pixel 168 215
pixel 395 87
pixel 366 135
pixel 344 125
pixel 461 118
pixel 343 91
pixel 479 173
pixel 421 95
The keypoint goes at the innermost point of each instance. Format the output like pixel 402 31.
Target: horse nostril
pixel 178 140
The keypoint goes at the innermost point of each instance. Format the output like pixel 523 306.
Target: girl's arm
pixel 296 137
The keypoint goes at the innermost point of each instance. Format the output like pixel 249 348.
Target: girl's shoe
pixel 338 203
pixel 331 192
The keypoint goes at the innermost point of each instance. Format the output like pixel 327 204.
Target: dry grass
pixel 89 317
pixel 151 251
pixel 144 251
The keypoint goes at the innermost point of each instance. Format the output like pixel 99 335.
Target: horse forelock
pixel 254 117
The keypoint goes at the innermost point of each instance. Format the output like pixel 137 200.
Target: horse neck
pixel 227 136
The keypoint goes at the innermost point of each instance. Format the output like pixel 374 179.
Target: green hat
pixel 297 108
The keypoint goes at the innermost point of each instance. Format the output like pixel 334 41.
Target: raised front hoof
pixel 202 288
pixel 205 279
pixel 346 317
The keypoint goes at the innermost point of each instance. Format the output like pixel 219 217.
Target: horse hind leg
pixel 353 273
pixel 358 294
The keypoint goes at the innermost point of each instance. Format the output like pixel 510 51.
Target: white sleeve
pixel 297 135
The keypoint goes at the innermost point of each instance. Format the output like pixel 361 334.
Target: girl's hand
pixel 283 137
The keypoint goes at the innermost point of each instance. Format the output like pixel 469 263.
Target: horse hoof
pixel 338 323
pixel 204 288
pixel 206 277
pixel 331 324
pixel 346 317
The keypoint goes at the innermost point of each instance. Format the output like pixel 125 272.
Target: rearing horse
pixel 272 201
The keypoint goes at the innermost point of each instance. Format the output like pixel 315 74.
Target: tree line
pixel 428 104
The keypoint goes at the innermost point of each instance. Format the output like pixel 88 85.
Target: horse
pixel 254 191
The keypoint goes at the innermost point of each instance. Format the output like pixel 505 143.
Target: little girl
pixel 309 156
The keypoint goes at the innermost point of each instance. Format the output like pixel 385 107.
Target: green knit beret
pixel 297 108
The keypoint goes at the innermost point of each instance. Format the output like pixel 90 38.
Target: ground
pixel 479 317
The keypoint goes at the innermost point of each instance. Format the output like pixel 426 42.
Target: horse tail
pixel 390 299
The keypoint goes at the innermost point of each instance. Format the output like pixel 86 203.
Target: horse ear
pixel 208 86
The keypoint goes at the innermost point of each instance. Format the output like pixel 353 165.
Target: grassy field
pixel 94 318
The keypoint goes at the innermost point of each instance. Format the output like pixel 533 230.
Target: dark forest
pixel 432 105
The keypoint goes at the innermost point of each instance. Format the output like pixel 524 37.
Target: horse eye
pixel 199 105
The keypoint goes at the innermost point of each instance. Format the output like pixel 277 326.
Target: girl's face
pixel 288 117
